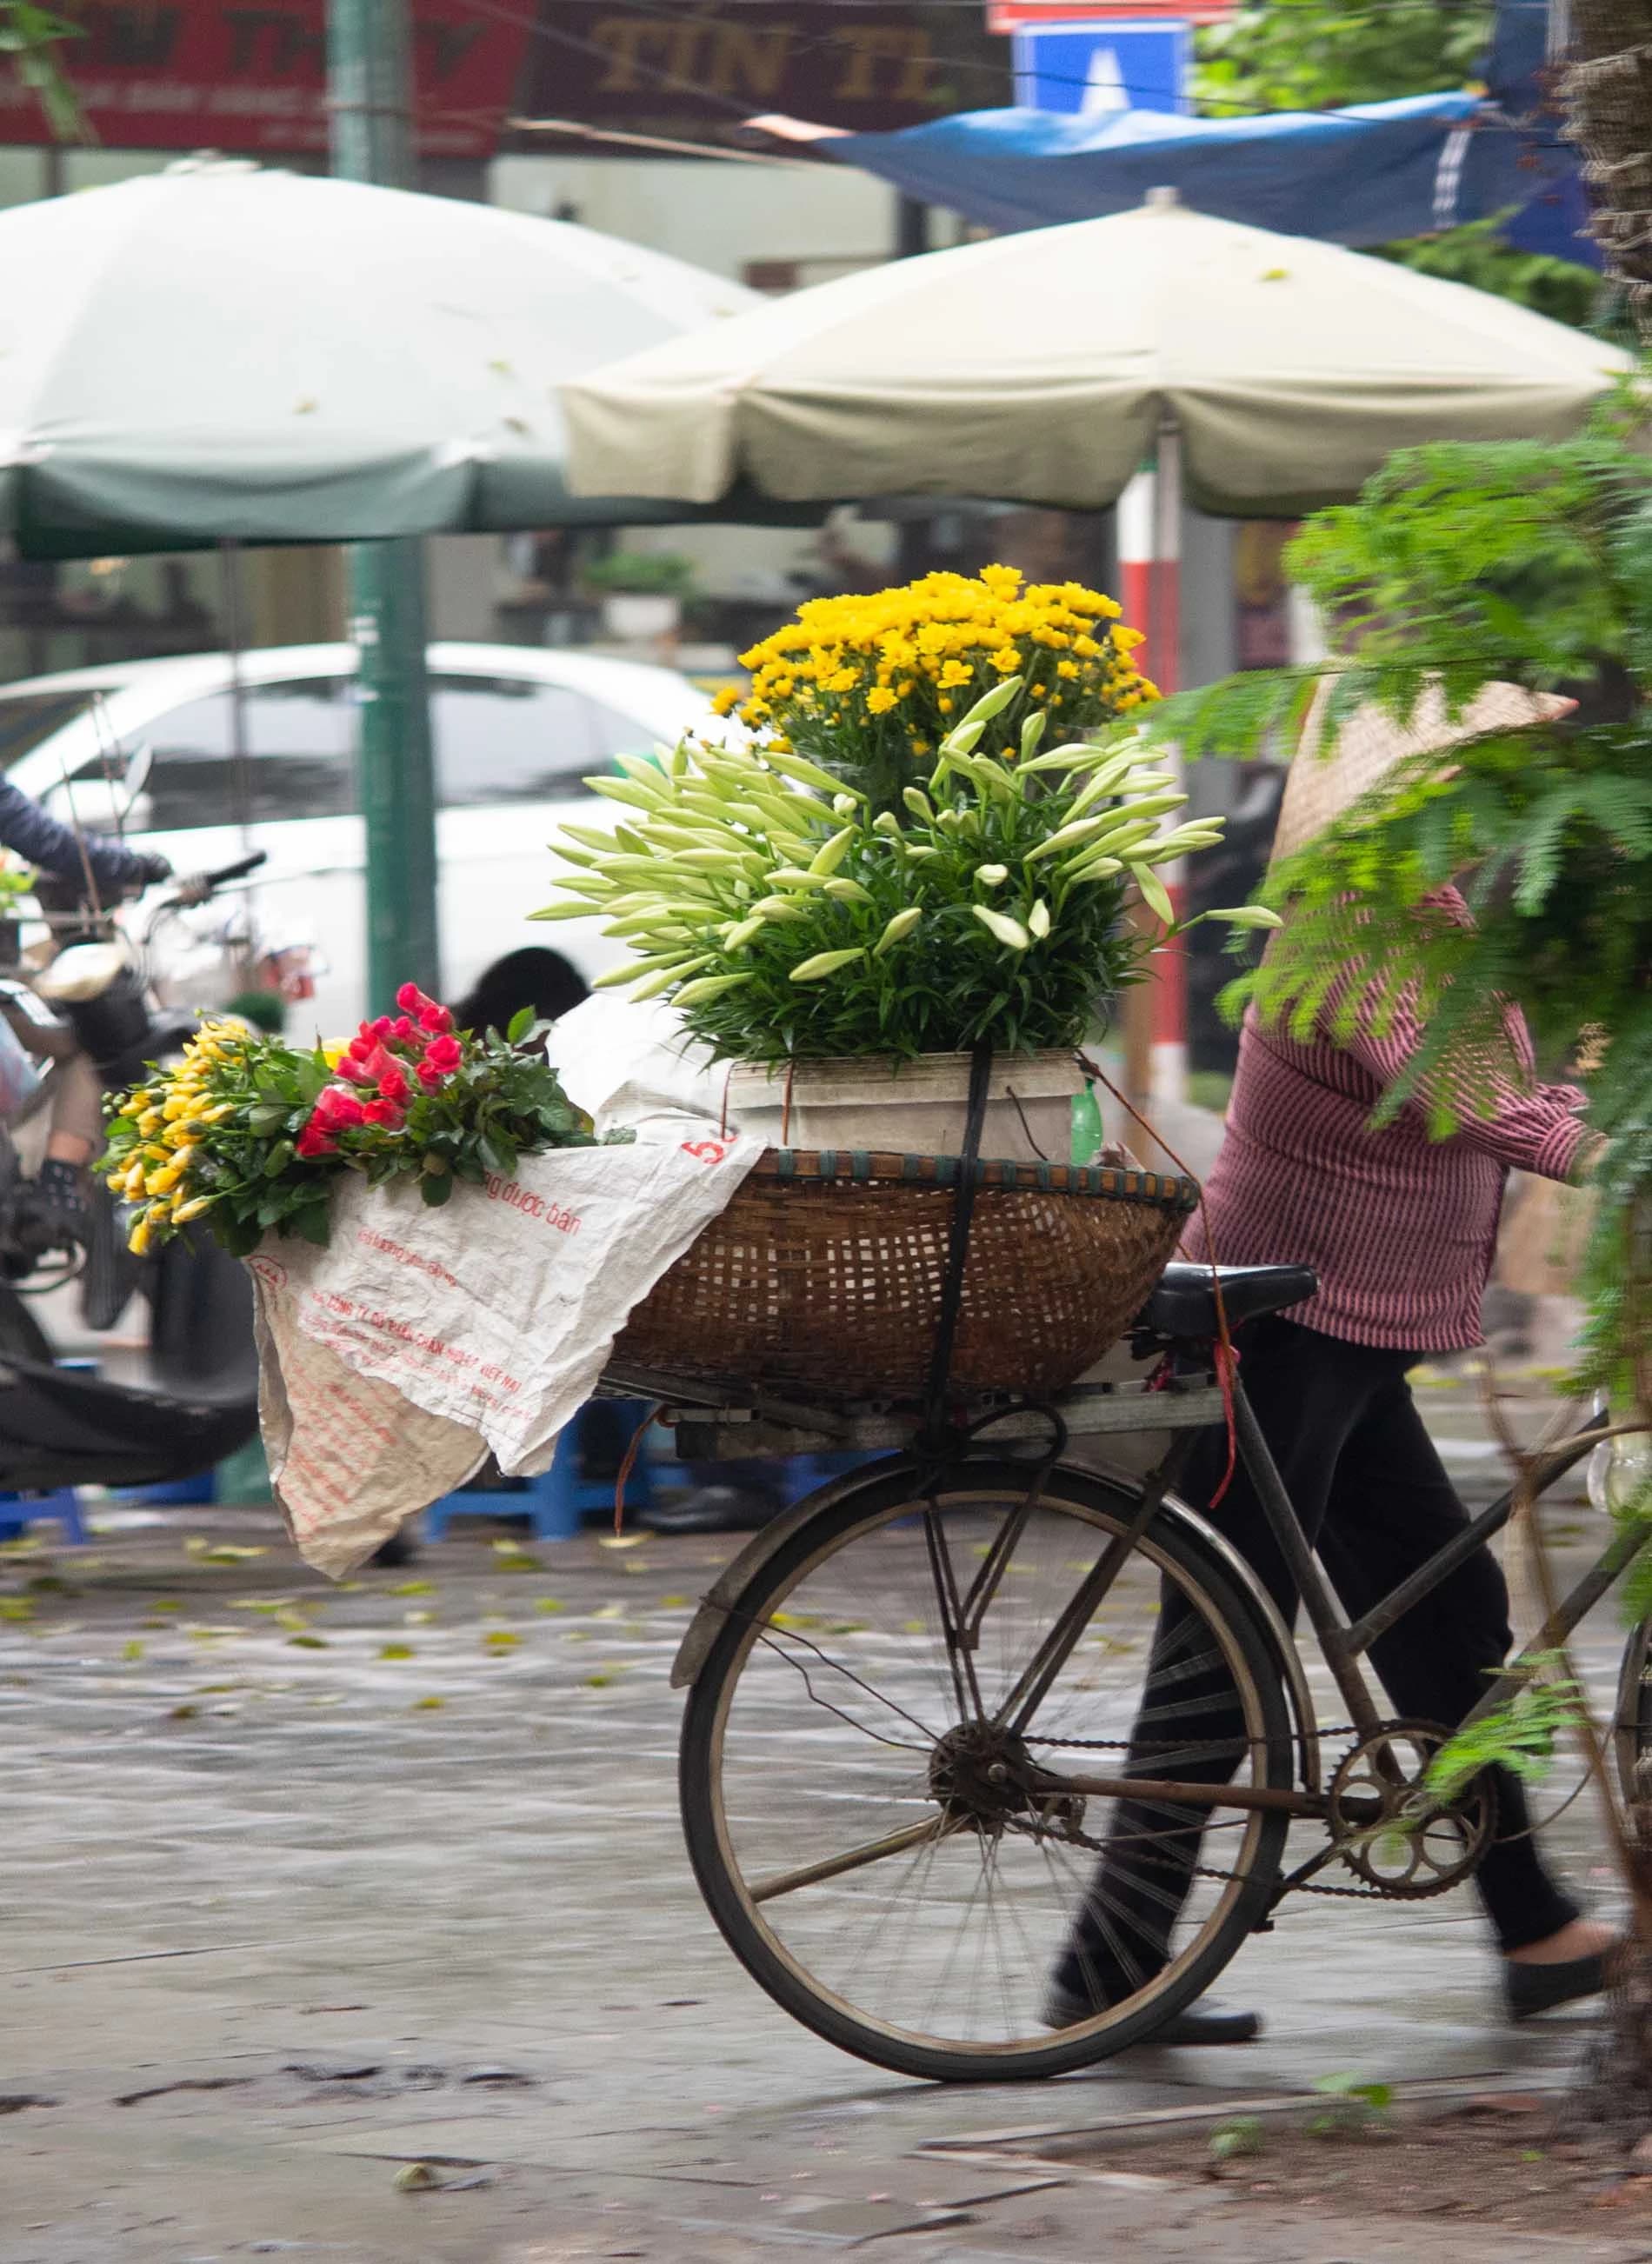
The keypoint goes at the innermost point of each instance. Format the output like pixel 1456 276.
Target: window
pixel 499 738
pixel 301 760
pixel 27 722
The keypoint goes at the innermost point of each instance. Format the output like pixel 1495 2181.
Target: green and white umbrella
pixel 1042 368
pixel 220 353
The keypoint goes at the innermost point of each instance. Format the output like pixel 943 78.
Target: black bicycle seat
pixel 1183 1303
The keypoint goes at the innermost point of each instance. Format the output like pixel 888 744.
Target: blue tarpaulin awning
pixel 1364 175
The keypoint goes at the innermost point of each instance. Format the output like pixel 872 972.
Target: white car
pixel 515 728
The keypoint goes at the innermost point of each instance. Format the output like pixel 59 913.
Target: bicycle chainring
pixel 1391 1830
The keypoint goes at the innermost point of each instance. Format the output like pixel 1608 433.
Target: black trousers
pixel 1374 1500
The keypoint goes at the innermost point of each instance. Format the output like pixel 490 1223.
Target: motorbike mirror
pixel 100 805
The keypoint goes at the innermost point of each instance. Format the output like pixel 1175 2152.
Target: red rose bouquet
pixel 249 1133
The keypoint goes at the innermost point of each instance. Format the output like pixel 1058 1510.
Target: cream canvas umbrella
pixel 1042 368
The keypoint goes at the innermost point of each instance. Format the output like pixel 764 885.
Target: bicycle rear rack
pixel 713 1424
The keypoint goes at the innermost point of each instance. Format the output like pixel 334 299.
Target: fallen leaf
pixel 675 1603
pixel 415 2177
pixel 15 1608
pixel 132 1650
pixel 269 1604
pixel 417 1619
pixel 290 1616
pixel 182 1713
pixel 622 1539
pixel 306 1643
pixel 426 1705
pixel 599 1681
pixel 396 1650
pixel 413 1588
pixel 500 1639
pixel 610 1612
pixel 166 1604
pixel 220 1552
pixel 549 1604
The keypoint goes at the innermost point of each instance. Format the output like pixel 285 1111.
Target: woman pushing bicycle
pixel 1401 1229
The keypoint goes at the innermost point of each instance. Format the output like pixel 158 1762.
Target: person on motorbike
pixel 106 870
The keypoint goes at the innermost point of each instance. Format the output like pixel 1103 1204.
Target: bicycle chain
pixel 1073 1837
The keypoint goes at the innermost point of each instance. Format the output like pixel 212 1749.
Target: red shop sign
pixel 250 76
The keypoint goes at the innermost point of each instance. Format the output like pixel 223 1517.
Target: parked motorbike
pixel 85 985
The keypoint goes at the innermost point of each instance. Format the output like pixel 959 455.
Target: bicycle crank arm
pixel 1170 1794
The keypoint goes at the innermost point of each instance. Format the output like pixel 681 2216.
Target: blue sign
pixel 1088 69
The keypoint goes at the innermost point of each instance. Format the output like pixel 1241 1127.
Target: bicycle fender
pixel 708 1622
pixel 706 1625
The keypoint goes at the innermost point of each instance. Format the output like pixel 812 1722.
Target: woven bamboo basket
pixel 826 1272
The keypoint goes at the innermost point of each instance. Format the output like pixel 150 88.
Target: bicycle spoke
pixel 853 1859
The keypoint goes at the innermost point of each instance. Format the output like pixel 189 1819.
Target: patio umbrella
pixel 219 352
pixel 1040 369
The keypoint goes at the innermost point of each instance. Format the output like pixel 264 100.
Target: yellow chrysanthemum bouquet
pixel 874 684
pixel 898 863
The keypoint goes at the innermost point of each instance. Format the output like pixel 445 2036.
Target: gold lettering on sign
pixel 748 62
pixel 621 39
pixel 897 44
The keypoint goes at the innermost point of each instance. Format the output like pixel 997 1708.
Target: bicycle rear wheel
pixel 889 1854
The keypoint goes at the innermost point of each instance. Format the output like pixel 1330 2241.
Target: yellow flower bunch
pixel 158 1143
pixel 860 680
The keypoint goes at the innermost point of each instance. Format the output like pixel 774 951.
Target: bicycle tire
pixel 1099 1504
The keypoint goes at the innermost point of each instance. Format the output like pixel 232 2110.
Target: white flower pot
pixel 632 617
pixel 913 1108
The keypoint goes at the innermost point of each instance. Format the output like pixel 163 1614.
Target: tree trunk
pixel 1607 93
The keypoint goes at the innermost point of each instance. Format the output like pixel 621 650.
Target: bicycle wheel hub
pixel 1391 1830
pixel 978 1772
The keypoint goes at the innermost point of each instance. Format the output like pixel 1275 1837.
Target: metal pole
pixel 370 92
pixel 1149 575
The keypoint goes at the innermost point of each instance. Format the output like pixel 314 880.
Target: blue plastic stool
pixel 176 1494
pixel 19 1511
pixel 557 1501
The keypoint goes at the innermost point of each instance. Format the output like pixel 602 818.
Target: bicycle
pixel 887 1686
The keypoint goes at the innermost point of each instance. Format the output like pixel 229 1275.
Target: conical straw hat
pixel 1326 781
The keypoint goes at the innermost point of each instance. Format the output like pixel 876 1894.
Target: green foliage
pixel 641 574
pixel 1562 289
pixel 29 39
pixel 1528 563
pixel 1358 2107
pixel 1288 56
pixel 1238 2137
pixel 1518 1736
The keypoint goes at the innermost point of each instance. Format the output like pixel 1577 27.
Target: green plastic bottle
pixel 1087 1133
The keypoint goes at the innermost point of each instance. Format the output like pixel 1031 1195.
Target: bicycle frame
pixel 1343 1643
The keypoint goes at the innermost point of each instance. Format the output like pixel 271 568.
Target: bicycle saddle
pixel 1183 1303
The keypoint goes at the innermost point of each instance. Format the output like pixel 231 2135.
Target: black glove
pixel 150 871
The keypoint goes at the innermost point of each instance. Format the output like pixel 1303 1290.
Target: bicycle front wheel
pixel 874 1755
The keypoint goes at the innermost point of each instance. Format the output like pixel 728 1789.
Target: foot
pixel 1206 2022
pixel 1564 1966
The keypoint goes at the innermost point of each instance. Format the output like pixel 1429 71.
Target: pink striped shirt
pixel 1401 1229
